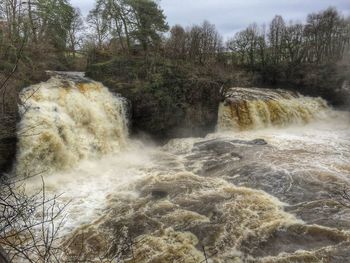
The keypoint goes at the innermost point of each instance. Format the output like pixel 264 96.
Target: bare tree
pixel 99 25
pixel 74 32
pixel 200 44
pixel 30 223
pixel 176 44
pixel 277 31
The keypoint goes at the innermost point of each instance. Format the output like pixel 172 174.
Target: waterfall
pixel 250 108
pixel 65 120
pixel 265 195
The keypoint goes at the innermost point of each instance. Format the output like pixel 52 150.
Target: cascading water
pixel 254 108
pixel 65 121
pixel 246 195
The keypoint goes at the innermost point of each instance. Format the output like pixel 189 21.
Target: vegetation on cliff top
pixel 174 80
pixel 312 58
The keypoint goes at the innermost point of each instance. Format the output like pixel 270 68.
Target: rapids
pixel 263 188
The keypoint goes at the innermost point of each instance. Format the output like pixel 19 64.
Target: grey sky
pixel 232 15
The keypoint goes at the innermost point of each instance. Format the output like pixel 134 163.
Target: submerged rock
pixel 157 193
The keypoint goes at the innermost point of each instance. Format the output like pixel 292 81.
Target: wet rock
pixel 217 146
pixel 224 157
pixel 159 194
pixel 258 142
pixel 221 146
pixel 8 141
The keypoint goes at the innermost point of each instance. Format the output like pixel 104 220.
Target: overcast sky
pixel 231 16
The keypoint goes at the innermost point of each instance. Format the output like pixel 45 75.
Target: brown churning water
pixel 253 108
pixel 65 121
pixel 261 189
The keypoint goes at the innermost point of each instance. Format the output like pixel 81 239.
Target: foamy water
pixel 64 122
pixel 243 200
pixel 252 108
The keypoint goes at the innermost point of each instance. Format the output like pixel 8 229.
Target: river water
pixel 268 186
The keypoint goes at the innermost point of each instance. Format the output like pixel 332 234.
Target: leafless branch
pixel 30 223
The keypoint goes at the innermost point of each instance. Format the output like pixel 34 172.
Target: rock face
pixel 171 101
pixel 9 116
pixel 8 141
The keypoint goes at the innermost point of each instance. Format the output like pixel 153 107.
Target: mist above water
pixel 265 200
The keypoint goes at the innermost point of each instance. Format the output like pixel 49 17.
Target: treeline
pixel 292 53
pixel 137 27
pixel 126 25
pixel 38 31
pixel 280 48
pixel 51 34
pixel 324 38
pixel 200 43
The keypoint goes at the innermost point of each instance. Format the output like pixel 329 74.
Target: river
pixel 266 187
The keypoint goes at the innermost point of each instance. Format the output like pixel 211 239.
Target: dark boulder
pixel 159 194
